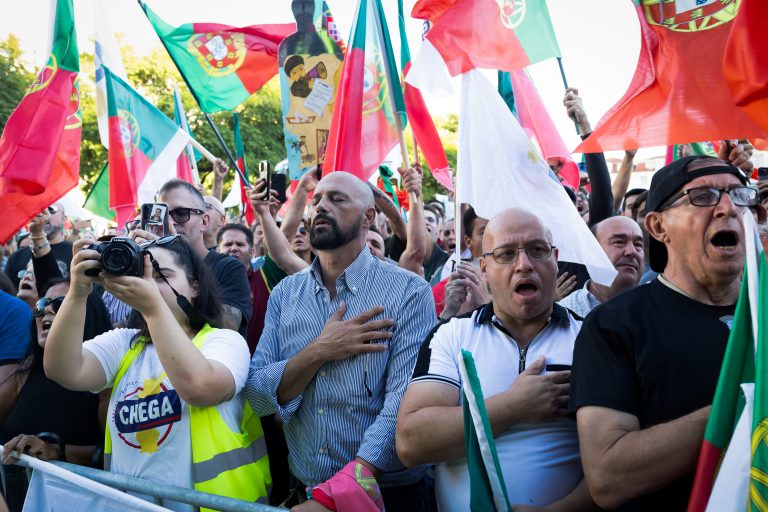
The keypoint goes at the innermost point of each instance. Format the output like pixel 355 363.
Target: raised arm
pixel 601 195
pixel 219 171
pixel 621 183
pixel 64 359
pixel 416 245
pixel 294 215
pixel 275 242
pixel 388 208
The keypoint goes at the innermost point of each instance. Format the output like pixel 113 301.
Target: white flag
pixel 107 54
pixel 499 168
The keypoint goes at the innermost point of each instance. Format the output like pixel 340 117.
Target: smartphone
pixel 278 185
pixel 319 172
pixel 154 218
pixel 762 173
pixel 557 367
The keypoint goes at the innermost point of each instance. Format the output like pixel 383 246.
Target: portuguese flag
pixel 423 128
pixel 222 65
pixel 363 127
pixel 679 93
pixel 250 215
pixel 143 147
pixel 40 144
pixel 97 200
pixel 481 34
pixel 732 474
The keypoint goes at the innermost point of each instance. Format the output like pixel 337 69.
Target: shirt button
pixel 320 411
pixel 322 450
pixel 354 288
pixel 323 373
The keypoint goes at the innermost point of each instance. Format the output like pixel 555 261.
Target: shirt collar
pixel 352 277
pixel 485 313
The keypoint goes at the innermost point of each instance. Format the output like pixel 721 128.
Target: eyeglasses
pixel 43 303
pixel 710 196
pixel 181 215
pixel 508 254
pixel 210 206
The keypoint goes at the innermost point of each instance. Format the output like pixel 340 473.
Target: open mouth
pixel 25 285
pixel 526 289
pixel 726 239
pixel 46 325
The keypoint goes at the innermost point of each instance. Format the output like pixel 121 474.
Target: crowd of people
pixel 310 359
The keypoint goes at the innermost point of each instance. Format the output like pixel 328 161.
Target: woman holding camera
pixel 176 414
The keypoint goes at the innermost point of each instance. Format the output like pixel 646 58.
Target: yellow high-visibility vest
pixel 226 463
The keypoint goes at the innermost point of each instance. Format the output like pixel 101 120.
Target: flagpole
pixel 207 116
pixel 565 84
pixel 398 122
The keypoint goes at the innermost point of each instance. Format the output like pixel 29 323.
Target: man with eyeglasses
pixel 646 363
pixel 218 218
pixel 46 231
pixel 187 210
pixel 522 343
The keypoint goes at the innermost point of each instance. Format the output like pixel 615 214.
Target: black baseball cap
pixel 670 179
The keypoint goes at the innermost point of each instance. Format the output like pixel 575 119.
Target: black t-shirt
pixel 656 354
pixel 394 247
pixel 232 277
pixel 17 261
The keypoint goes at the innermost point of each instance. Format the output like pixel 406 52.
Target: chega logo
pixel 144 421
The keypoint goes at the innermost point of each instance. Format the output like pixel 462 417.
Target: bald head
pixel 357 189
pixel 613 224
pixel 507 223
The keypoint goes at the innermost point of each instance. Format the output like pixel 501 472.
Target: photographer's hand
pixel 84 258
pixel 141 293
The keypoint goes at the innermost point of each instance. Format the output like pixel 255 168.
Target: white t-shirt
pixel 147 419
pixel 540 462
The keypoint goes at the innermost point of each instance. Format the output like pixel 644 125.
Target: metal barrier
pixel 162 491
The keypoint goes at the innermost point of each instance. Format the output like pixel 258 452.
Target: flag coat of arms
pixel 363 127
pixel 679 93
pixel 222 65
pixel 143 147
pixel 494 34
pixel 40 144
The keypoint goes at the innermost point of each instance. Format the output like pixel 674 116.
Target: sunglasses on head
pixel 52 210
pixel 181 215
pixel 43 303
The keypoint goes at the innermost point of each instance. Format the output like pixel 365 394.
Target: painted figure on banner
pixel 310 68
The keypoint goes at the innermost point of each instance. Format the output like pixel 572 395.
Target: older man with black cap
pixel 646 363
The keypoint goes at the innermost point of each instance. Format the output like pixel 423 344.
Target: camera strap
pixel 181 300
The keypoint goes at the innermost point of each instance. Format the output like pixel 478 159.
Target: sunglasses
pixel 181 215
pixel 52 210
pixel 159 242
pixel 43 303
pixel 24 273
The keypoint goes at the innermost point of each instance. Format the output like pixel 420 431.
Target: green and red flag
pixel 40 144
pixel 423 128
pixel 679 93
pixel 745 63
pixel 222 65
pixel 186 164
pixel 245 203
pixel 732 472
pixel 363 127
pixel 97 200
pixel 503 34
pixel 143 147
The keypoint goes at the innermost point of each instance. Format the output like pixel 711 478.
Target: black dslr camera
pixel 119 256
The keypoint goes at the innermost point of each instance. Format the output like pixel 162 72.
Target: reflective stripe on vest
pixel 211 468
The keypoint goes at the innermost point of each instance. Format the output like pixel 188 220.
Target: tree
pixel 15 77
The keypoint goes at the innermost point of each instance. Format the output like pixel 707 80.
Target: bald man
pixel 622 240
pixel 338 346
pixel 522 344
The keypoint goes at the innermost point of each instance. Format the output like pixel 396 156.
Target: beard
pixel 333 237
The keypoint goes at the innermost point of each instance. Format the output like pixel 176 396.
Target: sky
pixel 599 40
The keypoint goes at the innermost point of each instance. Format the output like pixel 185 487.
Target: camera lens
pixel 117 259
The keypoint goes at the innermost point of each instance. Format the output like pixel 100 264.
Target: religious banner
pixel 310 68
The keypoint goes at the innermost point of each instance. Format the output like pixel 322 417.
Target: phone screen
pixel 154 218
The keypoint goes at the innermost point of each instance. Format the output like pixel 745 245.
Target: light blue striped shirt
pixel 350 408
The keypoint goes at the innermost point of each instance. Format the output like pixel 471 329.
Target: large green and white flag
pixel 487 490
